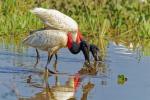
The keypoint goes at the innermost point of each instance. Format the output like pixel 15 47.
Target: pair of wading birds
pixel 62 31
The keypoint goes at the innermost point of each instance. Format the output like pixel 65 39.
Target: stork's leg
pixel 48 60
pixel 37 58
pixel 51 51
pixel 55 65
pixel 50 55
pixel 56 56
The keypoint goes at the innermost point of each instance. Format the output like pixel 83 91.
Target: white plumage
pixel 54 18
pixel 47 40
pixel 52 40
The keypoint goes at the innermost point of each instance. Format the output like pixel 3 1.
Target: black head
pixel 85 47
pixel 95 52
pixel 75 49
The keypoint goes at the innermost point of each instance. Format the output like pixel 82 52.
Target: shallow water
pixel 123 75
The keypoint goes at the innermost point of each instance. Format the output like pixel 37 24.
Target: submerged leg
pixel 51 52
pixel 37 58
pixel 56 56
pixel 48 61
pixel 55 66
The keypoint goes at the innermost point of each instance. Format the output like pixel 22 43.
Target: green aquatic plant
pixel 15 17
pixel 119 20
pixel 91 15
pixel 125 21
pixel 122 79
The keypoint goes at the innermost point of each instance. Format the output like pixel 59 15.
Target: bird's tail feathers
pixel 28 40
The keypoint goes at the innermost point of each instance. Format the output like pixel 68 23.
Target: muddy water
pixel 123 75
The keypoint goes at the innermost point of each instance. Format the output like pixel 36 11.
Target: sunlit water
pixel 123 75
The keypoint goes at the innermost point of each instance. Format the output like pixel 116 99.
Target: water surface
pixel 123 75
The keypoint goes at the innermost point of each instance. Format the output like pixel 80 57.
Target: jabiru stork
pixel 52 40
pixel 57 23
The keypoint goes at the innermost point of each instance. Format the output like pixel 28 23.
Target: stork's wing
pixel 56 19
pixel 46 38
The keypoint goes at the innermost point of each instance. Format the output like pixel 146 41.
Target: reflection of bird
pixel 58 91
pixel 86 89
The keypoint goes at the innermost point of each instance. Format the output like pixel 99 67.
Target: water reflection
pixel 95 68
pixel 66 90
pixel 86 89
pixel 57 91
pixel 116 75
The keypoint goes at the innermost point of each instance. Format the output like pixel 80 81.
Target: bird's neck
pixel 70 40
pixel 79 37
pixel 73 46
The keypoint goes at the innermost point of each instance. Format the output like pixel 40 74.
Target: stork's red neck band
pixel 69 42
pixel 79 37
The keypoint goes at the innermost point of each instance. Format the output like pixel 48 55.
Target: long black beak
pixel 95 52
pixel 85 47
